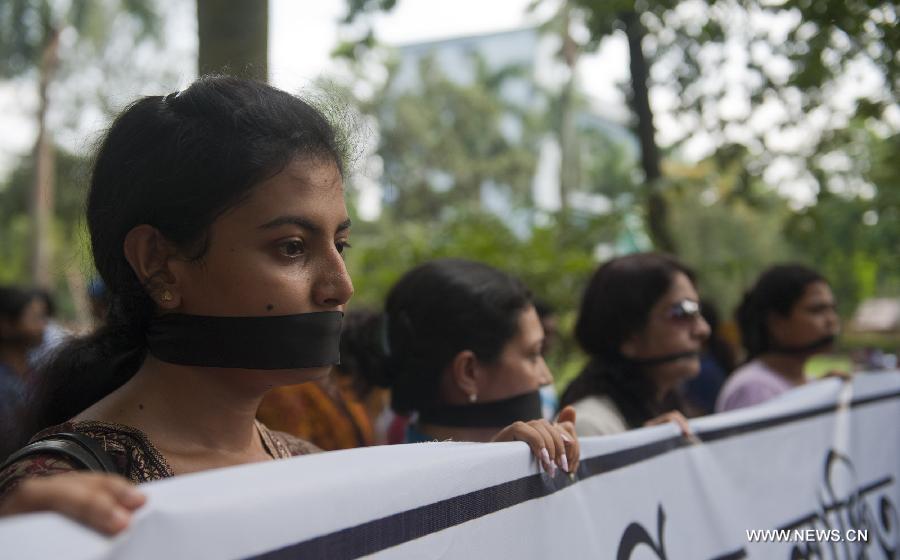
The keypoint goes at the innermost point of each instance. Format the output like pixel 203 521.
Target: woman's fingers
pixel 842 375
pixel 552 443
pixel 520 431
pixel 101 501
pixel 573 449
pixel 672 416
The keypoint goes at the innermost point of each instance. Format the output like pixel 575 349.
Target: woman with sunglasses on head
pixel 788 316
pixel 217 222
pixel 461 343
pixel 641 327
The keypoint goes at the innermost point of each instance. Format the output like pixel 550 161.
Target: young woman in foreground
pixel 217 221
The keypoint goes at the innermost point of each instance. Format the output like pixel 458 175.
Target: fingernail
pixel 564 462
pixel 565 437
pixel 545 458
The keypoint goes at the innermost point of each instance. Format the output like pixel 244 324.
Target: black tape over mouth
pixel 810 348
pixel 655 361
pixel 305 340
pixel 494 414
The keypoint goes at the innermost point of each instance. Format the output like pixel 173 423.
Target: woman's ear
pixel 464 374
pixel 148 252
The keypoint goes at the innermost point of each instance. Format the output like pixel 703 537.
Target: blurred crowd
pixel 655 350
pixel 225 334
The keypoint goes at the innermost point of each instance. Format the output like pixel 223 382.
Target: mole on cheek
pixel 270 307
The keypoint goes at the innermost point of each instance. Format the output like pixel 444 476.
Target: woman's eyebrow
pixel 302 222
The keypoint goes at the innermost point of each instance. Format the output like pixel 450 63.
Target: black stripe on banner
pixel 722 433
pixel 379 534
pixel 735 555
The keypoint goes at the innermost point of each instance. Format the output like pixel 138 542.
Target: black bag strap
pixel 86 452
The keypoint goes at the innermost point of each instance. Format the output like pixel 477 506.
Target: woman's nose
pixel 546 377
pixel 701 328
pixel 333 287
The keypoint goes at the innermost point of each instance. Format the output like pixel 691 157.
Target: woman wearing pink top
pixel 787 317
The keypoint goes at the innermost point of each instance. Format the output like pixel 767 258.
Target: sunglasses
pixel 684 310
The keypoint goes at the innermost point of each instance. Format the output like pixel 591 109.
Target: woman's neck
pixel 787 366
pixel 188 411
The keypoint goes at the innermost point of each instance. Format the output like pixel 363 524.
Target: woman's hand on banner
pixel 104 502
pixel 839 374
pixel 672 416
pixel 553 444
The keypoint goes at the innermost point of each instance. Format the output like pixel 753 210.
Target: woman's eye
pixel 342 245
pixel 291 249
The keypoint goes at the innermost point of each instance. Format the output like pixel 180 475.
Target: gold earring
pixel 473 398
pixel 166 296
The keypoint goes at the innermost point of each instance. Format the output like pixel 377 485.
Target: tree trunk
pixel 657 207
pixel 234 37
pixel 42 194
pixel 568 144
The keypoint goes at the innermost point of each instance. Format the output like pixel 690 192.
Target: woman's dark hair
pixel 13 301
pixel 176 163
pixel 615 306
pixel 437 310
pixel 776 290
pixel 361 358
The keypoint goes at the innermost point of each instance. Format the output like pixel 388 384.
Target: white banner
pixel 812 474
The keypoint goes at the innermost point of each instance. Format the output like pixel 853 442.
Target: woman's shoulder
pixel 131 452
pixel 283 445
pixel 592 403
pixel 598 415
pixel 750 384
pixel 32 466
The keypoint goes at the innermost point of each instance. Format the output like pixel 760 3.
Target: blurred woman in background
pixel 641 327
pixel 23 320
pixel 462 348
pixel 337 411
pixel 788 316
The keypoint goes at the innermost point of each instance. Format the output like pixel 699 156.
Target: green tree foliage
pixel 68 226
pixel 442 141
pixel 727 238
pixel 51 40
pixel 854 239
pixel 555 269
pixel 234 37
